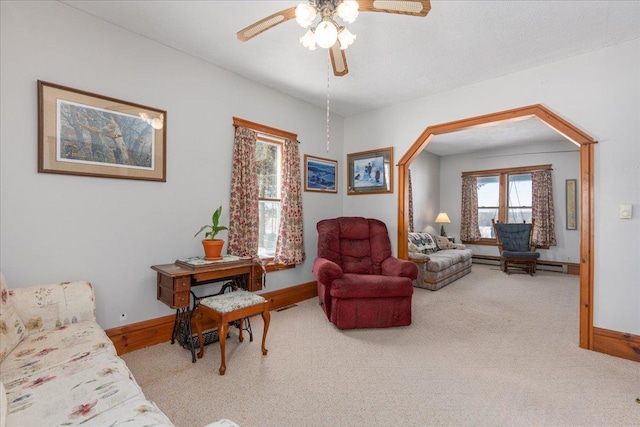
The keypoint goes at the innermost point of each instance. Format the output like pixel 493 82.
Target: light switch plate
pixel 626 211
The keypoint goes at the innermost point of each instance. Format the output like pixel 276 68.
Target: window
pixel 504 195
pixel 266 196
pixel 488 204
pixel 519 193
pixel 269 162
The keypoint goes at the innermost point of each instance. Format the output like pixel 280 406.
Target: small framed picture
pixel 370 172
pixel 82 133
pixel 320 174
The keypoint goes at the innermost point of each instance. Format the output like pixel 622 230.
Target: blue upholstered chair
pixel 516 247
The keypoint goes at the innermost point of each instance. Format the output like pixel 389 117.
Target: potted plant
pixel 212 246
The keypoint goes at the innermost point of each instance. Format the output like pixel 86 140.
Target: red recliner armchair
pixel 360 285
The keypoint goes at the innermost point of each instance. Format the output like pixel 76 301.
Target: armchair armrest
pixel 393 266
pixel 326 271
pixel 50 306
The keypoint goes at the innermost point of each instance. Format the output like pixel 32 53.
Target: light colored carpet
pixel 488 349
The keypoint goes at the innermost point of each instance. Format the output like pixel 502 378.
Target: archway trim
pixel 587 152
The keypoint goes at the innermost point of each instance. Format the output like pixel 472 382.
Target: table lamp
pixel 443 219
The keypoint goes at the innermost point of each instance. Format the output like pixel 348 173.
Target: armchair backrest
pixel 514 237
pixel 358 245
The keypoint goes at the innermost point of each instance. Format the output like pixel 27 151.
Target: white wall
pixel 109 231
pixel 598 92
pixel 425 183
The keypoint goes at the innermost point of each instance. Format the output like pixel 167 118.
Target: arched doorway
pixel 586 144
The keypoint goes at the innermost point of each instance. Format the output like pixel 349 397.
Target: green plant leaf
pixel 214 227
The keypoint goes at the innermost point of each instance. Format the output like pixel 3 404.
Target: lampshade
pixel 443 218
pixel 348 11
pixel 346 38
pixel 305 14
pixel 309 40
pixel 326 34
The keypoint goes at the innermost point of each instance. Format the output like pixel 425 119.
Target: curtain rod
pixel 520 169
pixel 265 129
pixel 269 135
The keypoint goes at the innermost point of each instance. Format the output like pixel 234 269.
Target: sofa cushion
pixel 424 242
pixel 12 330
pixel 71 393
pixel 447 258
pixel 134 413
pixel 3 405
pixel 41 351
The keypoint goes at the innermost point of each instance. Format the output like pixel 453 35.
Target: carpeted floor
pixel 487 350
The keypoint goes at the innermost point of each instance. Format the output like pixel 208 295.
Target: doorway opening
pixel 586 221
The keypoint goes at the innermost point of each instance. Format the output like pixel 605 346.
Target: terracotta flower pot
pixel 212 249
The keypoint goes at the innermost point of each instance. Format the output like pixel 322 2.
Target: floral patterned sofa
pixel 439 261
pixel 58 367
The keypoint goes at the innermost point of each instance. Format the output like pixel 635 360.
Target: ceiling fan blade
pixel 266 23
pixel 403 7
pixel 338 60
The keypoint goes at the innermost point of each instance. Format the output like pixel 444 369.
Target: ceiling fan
pixel 328 33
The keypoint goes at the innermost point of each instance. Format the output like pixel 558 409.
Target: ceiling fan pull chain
pixel 328 103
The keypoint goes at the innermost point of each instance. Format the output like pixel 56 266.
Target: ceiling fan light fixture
pixel 305 14
pixel 309 40
pixel 346 38
pixel 326 34
pixel 348 11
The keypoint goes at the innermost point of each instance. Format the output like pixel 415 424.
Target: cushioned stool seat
pixel 228 307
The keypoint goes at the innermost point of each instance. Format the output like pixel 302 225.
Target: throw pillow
pixel 424 242
pixel 444 243
pixel 12 330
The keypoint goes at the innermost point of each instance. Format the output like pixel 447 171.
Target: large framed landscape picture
pixel 320 174
pixel 370 171
pixel 82 133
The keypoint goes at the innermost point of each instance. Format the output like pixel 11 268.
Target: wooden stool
pixel 227 307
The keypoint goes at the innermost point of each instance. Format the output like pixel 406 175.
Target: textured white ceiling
pixel 524 131
pixel 395 58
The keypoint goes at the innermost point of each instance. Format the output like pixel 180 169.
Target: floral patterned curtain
pixel 243 209
pixel 411 226
pixel 544 229
pixel 469 229
pixel 290 247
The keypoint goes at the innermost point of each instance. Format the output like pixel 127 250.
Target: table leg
pixel 223 327
pixel 198 316
pixel 266 317
pixel 175 327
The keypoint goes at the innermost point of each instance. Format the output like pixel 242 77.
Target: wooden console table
pixel 174 283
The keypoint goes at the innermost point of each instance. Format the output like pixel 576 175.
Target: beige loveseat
pixel 439 261
pixel 58 367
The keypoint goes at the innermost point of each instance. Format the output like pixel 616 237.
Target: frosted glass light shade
pixel 348 11
pixel 346 38
pixel 309 40
pixel 305 14
pixel 326 34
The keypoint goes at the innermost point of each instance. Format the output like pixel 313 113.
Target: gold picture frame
pixel 370 172
pixel 82 133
